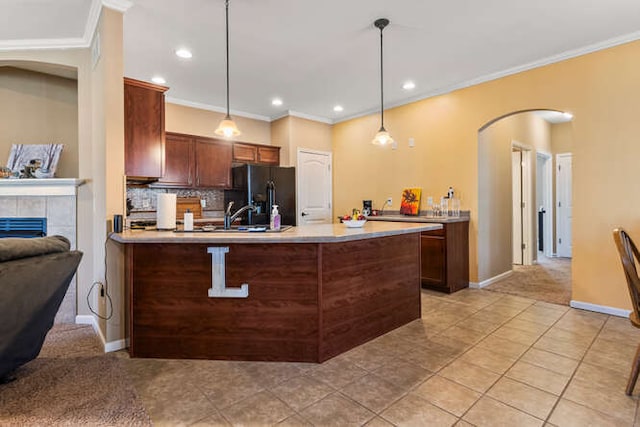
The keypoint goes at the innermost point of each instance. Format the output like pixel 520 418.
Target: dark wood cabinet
pixel 144 136
pixel 445 257
pixel 255 153
pixel 196 161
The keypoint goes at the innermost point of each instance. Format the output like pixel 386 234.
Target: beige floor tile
pixel 523 397
pixel 411 410
pixel 620 329
pixel 570 414
pixel 578 336
pixel 370 356
pixel 472 376
pixel 516 300
pixel 433 356
pixel 463 423
pixel 464 334
pixel 543 317
pixel 294 421
pixel 564 348
pixel 486 315
pixel 550 306
pixel 538 377
pixel 605 378
pixel 503 346
pixel 300 392
pixel 415 331
pixel 446 394
pixel 373 392
pixel 337 372
pixel 337 410
pixel 551 361
pixel 612 402
pixel 261 408
pixel 379 422
pixel 516 335
pixel 509 310
pixel 485 358
pixel 228 390
pixel 581 319
pixel 611 355
pixel 491 413
pixel 269 374
pixel 403 374
pixel 527 326
pixel 214 420
pixel 457 347
pixel 481 325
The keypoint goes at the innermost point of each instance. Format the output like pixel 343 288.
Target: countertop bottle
pixel 188 220
pixel 274 224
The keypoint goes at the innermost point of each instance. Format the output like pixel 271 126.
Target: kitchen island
pixel 305 294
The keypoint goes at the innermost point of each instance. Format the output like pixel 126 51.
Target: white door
pixel 314 187
pixel 516 175
pixel 563 204
pixel 544 201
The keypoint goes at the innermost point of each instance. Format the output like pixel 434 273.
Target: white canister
pixel 166 211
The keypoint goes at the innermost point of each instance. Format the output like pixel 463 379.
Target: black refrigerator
pixel 263 186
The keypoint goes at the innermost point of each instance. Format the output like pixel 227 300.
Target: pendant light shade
pixel 227 126
pixel 382 137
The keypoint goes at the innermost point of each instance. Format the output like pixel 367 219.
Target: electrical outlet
pixel 146 203
pixel 203 203
pixel 390 201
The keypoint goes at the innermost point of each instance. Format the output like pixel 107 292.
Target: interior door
pixel 516 175
pixel 314 187
pixel 564 205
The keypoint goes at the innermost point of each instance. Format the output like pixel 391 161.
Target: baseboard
pixel 600 308
pixel 87 319
pixel 108 346
pixel 487 282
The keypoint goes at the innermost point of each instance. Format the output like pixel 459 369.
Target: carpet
pixel 71 383
pixel 549 281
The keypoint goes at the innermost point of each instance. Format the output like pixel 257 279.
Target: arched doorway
pixel 516 204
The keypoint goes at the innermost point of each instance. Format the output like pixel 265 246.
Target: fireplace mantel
pixel 40 187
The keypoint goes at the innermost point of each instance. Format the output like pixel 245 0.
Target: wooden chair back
pixel 629 256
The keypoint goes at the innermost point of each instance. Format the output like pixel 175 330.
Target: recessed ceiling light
pixel 276 101
pixel 184 53
pixel 338 108
pixel 408 85
pixel 158 80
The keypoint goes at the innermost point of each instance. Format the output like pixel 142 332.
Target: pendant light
pixel 227 126
pixel 382 137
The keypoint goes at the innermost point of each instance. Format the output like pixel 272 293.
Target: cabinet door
pixel 213 163
pixel 143 129
pixel 179 168
pixel 433 261
pixel 244 153
pixel 269 155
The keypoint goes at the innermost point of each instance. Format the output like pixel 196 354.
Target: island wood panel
pixel 368 287
pixel 172 316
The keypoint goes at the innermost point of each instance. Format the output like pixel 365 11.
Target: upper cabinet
pixel 254 153
pixel 196 161
pixel 144 136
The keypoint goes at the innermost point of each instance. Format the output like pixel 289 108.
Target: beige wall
pixel 292 133
pixel 195 121
pixel 38 108
pixel 495 204
pixel 281 137
pixel 601 90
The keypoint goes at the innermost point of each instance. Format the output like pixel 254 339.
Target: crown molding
pixel 569 54
pixel 208 107
pixel 307 117
pixel 119 5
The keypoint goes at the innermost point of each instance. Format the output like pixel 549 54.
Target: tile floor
pixel 476 358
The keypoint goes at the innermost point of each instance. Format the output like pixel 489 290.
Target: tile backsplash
pixel 144 198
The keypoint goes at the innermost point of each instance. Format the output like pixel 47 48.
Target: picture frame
pixel 34 160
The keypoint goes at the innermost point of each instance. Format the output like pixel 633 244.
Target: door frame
pixel 527 198
pixel 329 154
pixel 560 231
pixel 547 182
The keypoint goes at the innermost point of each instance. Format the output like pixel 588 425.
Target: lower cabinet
pixel 196 161
pixel 445 257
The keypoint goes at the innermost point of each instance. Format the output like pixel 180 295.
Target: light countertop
pixel 323 233
pixel 418 219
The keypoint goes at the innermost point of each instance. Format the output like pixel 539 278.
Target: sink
pixel 236 229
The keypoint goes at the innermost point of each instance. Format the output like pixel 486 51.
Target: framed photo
pixel 34 160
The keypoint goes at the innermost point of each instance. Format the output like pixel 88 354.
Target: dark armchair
pixel 34 277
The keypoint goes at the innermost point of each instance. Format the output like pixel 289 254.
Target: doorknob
pixel 304 214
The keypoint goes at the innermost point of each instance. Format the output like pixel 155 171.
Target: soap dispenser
pixel 188 220
pixel 274 224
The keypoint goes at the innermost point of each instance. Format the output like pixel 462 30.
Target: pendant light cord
pixel 227 26
pixel 381 84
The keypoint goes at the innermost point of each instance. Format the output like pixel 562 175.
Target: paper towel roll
pixel 166 211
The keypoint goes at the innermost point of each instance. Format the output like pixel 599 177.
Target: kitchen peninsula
pixel 305 294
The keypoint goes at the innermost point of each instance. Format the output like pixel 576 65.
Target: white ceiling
pixel 316 54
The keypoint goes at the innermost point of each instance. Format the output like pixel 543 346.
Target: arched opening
pixel 518 213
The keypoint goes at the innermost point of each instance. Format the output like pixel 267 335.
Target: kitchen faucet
pixel 228 218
